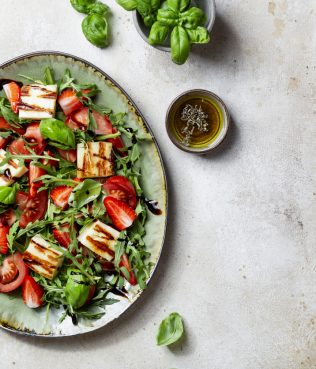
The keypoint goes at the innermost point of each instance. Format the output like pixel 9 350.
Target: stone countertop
pixel 239 262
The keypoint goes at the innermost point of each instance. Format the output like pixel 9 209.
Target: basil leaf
pixel 58 134
pixel 49 76
pixel 84 193
pixel 158 33
pixel 199 35
pixel 167 17
pixel 7 194
pixel 178 5
pixel 95 28
pixel 127 4
pixel 170 330
pixel 180 45
pixel 192 18
pixel 82 6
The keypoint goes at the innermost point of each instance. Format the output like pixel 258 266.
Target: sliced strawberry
pixel 4 141
pixel 60 196
pixel 34 173
pixel 18 147
pixel 33 133
pixel 13 92
pixel 70 155
pixel 4 231
pixel 69 102
pixel 72 124
pixel 121 214
pixel 62 235
pixel 125 263
pixel 82 116
pixel 32 293
pixel 21 199
pixel 104 125
pixel 5 126
pixel 8 217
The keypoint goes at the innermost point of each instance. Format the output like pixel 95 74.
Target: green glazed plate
pixel 14 315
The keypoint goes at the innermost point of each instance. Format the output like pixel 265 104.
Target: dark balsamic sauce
pixel 4 81
pixel 74 319
pixel 152 206
pixel 122 292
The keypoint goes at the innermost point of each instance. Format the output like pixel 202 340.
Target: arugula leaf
pixel 12 235
pixel 58 134
pixel 7 194
pixel 7 113
pixel 49 76
pixel 170 330
pixel 84 193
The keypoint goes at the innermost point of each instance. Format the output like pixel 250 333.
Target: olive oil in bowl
pixel 197 121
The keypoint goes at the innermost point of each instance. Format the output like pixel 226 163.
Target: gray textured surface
pixel 240 258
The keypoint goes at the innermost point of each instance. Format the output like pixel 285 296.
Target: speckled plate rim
pixel 147 126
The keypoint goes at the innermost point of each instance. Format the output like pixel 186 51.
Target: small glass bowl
pixel 223 111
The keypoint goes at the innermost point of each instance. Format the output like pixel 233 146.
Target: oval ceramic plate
pixel 14 315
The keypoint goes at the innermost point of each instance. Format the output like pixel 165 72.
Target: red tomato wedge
pixel 60 196
pixel 5 126
pixel 32 293
pixel 52 163
pixel 4 231
pixel 122 189
pixel 19 147
pixel 35 209
pixel 8 217
pixel 33 133
pixel 82 117
pixel 12 273
pixel 69 102
pixel 121 214
pixel 70 155
pixel 34 173
pixel 117 143
pixel 4 142
pixel 62 235
pixel 125 263
pixel 21 199
pixel 104 125
pixel 13 92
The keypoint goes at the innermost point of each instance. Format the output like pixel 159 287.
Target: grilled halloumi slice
pixel 100 238
pixel 94 160
pixel 41 257
pixel 38 101
pixel 10 170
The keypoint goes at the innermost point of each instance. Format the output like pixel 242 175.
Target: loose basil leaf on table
pixel 158 33
pixel 85 192
pixel 58 134
pixel 170 330
pixel 180 45
pixel 199 35
pixel 96 30
pixel 7 194
pixel 127 4
pixel 168 17
pixel 192 18
pixel 178 5
pixel 82 6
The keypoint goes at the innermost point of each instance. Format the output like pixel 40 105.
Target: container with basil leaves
pixel 175 22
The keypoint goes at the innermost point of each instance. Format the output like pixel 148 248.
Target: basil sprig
pixel 170 330
pixel 58 134
pixel 7 194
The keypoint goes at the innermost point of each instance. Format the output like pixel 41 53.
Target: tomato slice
pixel 5 126
pixel 19 147
pixel 35 209
pixel 33 133
pixel 70 155
pixel 122 189
pixel 21 199
pixel 12 273
pixel 34 173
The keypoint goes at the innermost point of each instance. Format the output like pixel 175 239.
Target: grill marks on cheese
pixel 94 159
pixel 42 258
pixel 38 101
pixel 100 239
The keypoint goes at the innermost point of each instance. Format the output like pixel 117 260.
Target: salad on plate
pixel 72 208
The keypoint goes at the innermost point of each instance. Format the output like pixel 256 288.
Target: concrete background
pixel 239 262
